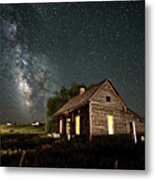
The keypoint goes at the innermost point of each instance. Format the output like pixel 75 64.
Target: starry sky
pixel 49 45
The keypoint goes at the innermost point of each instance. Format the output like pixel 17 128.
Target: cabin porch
pixel 74 123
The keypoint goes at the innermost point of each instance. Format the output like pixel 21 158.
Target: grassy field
pixel 35 150
pixel 29 146
pixel 21 129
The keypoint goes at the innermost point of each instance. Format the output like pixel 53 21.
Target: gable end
pixel 108 95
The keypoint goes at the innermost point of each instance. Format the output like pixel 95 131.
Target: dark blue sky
pixel 46 46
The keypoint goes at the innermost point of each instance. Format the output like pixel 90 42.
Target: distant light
pixel 142 138
pixel 55 135
pixel 49 135
pixel 9 124
pixel 35 124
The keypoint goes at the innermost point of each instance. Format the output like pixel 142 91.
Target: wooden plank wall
pixel 84 120
pixel 83 112
pixel 101 108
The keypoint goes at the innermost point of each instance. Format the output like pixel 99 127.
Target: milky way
pixel 46 46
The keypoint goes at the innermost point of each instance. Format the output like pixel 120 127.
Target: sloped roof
pixel 84 98
pixel 134 114
pixel 78 101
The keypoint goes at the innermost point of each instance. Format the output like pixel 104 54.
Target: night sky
pixel 46 46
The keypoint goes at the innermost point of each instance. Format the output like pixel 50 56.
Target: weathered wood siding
pixel 84 120
pixel 63 118
pixel 106 91
pixel 83 112
pixel 100 108
pixel 94 115
pixel 140 127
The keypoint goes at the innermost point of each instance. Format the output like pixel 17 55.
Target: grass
pixel 45 152
pixel 42 151
pixel 21 129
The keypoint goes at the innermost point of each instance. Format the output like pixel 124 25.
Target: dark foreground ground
pixel 42 151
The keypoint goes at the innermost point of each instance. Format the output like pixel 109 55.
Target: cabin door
pixel 68 128
pixel 110 124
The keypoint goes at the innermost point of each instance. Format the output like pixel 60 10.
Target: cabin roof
pixel 135 115
pixel 84 98
pixel 77 101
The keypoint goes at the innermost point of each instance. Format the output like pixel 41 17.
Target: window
pixel 77 125
pixel 108 99
pixel 110 125
pixel 60 126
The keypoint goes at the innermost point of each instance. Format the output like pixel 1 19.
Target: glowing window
pixel 77 125
pixel 110 125
pixel 60 126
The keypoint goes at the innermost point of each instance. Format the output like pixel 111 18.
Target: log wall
pixel 100 108
pixel 84 120
pixel 93 116
pixel 83 112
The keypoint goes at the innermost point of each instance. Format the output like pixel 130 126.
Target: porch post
pixel 72 124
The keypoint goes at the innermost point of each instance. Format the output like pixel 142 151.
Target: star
pixel 50 45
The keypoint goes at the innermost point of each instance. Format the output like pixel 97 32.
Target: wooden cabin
pixel 98 111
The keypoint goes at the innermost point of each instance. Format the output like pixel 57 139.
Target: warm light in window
pixel 77 125
pixel 60 126
pixel 110 125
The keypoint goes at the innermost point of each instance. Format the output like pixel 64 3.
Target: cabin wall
pixel 94 116
pixel 100 122
pixel 83 112
pixel 106 91
pixel 140 126
pixel 84 120
pixel 121 120
pixel 63 118
pixel 101 108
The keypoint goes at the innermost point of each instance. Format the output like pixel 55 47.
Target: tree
pixel 57 101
